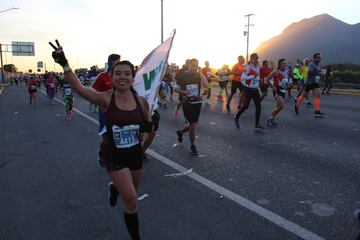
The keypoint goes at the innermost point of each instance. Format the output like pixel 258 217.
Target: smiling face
pixel 122 77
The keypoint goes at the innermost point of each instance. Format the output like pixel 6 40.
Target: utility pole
pixel 1 59
pixel 2 65
pixel 162 22
pixel 247 33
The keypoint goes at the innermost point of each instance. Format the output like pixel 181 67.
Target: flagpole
pixel 162 22
pixel 163 72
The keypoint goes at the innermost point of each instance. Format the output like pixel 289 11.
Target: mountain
pixel 338 42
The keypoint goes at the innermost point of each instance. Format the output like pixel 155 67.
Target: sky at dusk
pixel 206 29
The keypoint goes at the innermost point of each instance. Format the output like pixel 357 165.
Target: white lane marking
pixel 272 217
pixel 143 197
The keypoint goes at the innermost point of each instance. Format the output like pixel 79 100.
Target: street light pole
pixel 162 22
pixel 2 65
pixel 1 59
pixel 248 35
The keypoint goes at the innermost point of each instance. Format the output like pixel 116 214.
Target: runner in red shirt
pixel 103 83
pixel 32 88
pixel 264 84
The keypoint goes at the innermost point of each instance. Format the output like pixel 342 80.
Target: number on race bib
pixel 193 90
pixel 127 136
pixel 68 91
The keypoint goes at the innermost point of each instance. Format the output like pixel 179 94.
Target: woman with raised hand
pixel 126 117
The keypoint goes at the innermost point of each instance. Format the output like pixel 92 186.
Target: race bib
pixel 224 78
pixel 209 74
pixel 68 91
pixel 284 82
pixel 127 136
pixel 52 85
pixel 193 90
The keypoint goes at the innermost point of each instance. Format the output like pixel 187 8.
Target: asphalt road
pixel 297 181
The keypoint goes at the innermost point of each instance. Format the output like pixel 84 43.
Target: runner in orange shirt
pixel 237 71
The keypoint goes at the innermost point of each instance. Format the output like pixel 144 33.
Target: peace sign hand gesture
pixel 58 55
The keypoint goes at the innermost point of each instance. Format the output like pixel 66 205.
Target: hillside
pixel 337 41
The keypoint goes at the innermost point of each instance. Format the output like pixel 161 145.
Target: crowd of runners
pixel 127 127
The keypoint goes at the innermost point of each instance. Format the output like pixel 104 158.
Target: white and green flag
pixel 151 71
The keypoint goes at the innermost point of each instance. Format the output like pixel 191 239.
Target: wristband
pixel 67 68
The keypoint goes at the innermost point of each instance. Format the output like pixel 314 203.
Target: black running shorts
pixel 280 93
pixel 235 85
pixel 191 112
pixel 131 158
pixel 311 86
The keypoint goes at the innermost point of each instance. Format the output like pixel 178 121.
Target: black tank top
pixel 123 127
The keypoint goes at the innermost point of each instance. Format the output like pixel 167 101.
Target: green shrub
pixel 347 77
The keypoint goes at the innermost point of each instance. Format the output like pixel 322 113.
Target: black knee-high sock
pixel 132 224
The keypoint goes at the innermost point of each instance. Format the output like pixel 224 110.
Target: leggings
pixel 328 84
pixel 68 100
pixel 251 93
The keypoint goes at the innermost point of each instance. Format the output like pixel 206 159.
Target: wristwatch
pixel 67 68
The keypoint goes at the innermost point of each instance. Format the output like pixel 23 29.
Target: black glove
pixel 59 55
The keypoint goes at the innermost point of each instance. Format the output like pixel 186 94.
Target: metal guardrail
pixel 344 85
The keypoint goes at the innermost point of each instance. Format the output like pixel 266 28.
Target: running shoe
pixel 271 122
pixel 296 109
pixel 237 123
pixel 113 194
pixel 259 128
pixel 308 103
pixel 318 114
pixel 180 136
pixel 194 151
